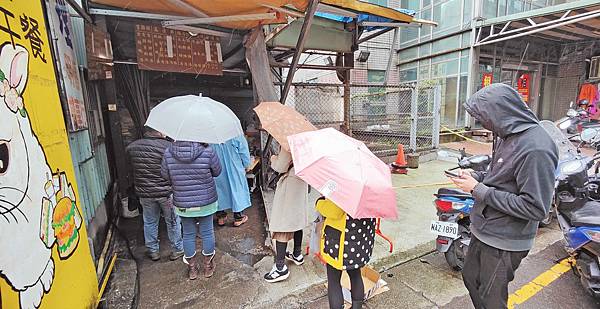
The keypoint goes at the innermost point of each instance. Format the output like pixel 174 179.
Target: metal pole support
pixel 310 13
pixel 414 115
pixel 437 105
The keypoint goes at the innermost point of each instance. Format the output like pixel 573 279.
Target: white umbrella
pixel 195 119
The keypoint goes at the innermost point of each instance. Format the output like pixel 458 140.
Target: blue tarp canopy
pixel 364 17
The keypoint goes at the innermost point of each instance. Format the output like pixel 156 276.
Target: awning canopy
pixel 565 23
pixel 242 12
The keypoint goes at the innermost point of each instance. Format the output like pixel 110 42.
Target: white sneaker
pixel 276 275
pixel 298 260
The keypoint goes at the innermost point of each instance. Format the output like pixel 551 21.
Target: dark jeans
pixel 487 272
pixel 152 208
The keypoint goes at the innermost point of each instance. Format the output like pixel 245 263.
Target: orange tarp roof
pixel 214 8
pixel 369 8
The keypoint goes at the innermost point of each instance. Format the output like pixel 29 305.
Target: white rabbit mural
pixel 37 206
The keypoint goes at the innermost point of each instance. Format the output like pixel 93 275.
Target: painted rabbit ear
pixel 17 78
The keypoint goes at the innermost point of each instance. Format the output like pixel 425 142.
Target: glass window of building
pixel 448 16
pixel 408 36
pixel 514 6
pixel 376 77
pixel 408 72
pixel 445 68
pixel 466 39
pixel 379 2
pixel 501 11
pixel 448 110
pixel 467 11
pixel 425 50
pixel 425 29
pixel 407 54
pixel 449 43
pixel 489 8
pixel 495 8
pixel 536 4
pixel 410 4
pixel 464 62
pixel 462 99
pixel 424 69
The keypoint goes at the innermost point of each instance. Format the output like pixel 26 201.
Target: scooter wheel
pixel 455 256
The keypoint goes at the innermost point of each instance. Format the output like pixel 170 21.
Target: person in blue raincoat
pixel 232 186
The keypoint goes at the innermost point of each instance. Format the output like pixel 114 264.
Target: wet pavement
pixel 417 277
pixel 164 284
pixel 428 282
pixel 245 243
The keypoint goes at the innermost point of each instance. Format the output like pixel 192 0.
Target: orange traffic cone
pixel 400 159
pixel 400 165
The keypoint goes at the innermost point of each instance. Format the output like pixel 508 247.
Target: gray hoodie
pixel 516 192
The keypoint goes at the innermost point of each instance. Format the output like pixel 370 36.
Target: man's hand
pixel 465 182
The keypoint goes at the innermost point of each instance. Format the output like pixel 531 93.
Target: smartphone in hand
pixel 451 174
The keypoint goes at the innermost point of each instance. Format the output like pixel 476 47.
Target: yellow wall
pixel 45 259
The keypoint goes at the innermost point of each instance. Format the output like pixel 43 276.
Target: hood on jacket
pixel 501 110
pixel 187 151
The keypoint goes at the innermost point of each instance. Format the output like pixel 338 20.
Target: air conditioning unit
pixel 595 67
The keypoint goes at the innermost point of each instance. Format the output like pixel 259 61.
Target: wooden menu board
pixel 161 49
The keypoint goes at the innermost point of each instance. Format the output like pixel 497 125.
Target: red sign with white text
pixel 523 87
pixel 487 79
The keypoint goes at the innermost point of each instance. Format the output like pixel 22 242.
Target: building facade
pixel 532 51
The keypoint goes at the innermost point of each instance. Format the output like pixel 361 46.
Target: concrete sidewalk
pixel 242 260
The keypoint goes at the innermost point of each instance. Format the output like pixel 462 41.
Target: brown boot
pixel 192 268
pixel 209 265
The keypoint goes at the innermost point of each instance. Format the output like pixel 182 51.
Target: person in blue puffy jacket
pixel 190 167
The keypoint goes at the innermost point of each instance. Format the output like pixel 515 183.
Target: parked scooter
pixel 577 120
pixel 453 209
pixel 577 207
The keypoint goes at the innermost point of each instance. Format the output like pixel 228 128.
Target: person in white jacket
pixel 290 214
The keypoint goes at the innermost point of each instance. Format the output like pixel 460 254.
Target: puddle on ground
pixel 247 242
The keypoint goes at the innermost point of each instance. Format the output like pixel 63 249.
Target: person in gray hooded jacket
pixel 510 198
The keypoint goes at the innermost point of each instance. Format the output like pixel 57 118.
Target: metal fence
pixel 381 116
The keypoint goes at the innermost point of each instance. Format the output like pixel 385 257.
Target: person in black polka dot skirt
pixel 346 244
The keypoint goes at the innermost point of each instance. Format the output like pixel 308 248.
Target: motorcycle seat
pixel 452 192
pixel 588 215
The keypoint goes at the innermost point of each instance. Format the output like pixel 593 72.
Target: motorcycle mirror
pixel 479 159
pixel 571 104
pixel 588 135
pixel 565 124
pixel 447 154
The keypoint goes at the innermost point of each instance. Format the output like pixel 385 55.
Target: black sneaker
pixel 298 260
pixel 276 275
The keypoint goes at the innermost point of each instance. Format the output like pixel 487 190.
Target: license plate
pixel 447 229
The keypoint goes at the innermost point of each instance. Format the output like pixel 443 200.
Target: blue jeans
pixel 194 225
pixel 152 208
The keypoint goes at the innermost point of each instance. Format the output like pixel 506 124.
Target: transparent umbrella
pixel 195 119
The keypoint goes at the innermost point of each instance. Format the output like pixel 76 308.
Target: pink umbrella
pixel 345 171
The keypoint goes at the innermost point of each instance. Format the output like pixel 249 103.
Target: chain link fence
pixel 381 116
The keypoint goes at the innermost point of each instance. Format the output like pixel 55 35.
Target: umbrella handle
pixel 378 232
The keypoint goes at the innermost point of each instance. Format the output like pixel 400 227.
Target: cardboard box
pixel 374 285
